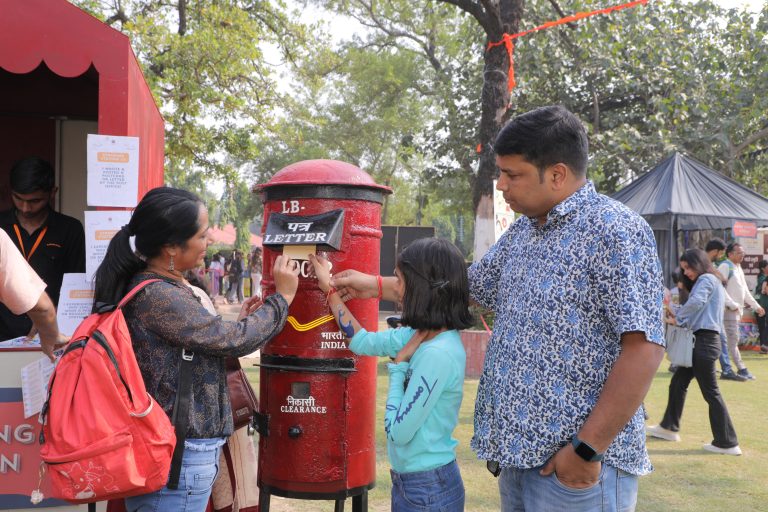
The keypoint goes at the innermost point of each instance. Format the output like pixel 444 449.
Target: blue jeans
pixel 435 490
pixel 725 360
pixel 525 490
pixel 199 467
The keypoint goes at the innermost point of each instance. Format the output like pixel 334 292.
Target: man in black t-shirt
pixel 52 243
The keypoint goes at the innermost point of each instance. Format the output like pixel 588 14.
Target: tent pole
pixel 671 250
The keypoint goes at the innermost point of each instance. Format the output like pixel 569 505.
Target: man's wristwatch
pixel 585 451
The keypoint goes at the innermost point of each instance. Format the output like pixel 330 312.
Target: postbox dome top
pixel 323 172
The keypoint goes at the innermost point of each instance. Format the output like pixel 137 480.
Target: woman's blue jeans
pixel 199 467
pixel 435 490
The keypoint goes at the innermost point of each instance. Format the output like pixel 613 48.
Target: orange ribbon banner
pixel 506 39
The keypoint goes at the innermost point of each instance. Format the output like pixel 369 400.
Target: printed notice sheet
pixel 75 302
pixel 113 170
pixel 34 384
pixel 100 227
pixel 21 342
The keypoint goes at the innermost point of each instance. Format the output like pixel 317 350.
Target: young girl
pixel 427 373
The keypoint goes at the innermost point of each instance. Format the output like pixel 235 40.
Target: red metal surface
pixel 323 172
pixel 336 450
pixel 68 41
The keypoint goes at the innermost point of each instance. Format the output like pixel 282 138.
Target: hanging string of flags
pixel 507 39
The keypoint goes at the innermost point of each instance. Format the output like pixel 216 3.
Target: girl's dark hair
pixel 762 264
pixel 698 261
pixel 436 286
pixel 164 216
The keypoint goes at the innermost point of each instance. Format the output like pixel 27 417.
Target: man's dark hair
pixel 31 174
pixel 436 286
pixel 731 247
pixel 544 137
pixel 715 244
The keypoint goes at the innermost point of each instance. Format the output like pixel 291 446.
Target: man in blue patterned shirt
pixel 577 290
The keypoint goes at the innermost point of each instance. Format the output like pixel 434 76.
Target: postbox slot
pixel 323 230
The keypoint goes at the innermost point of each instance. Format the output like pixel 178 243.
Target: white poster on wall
pixel 503 216
pixel 75 302
pixel 100 227
pixel 113 170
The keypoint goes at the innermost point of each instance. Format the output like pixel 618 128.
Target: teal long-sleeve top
pixel 423 399
pixel 705 305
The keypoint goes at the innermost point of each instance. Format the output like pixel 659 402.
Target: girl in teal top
pixel 426 376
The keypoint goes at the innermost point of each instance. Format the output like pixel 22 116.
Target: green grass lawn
pixel 686 479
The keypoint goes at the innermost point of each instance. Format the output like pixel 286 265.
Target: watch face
pixel 584 451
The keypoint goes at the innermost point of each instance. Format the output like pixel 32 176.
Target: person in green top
pixel 426 376
pixel 761 294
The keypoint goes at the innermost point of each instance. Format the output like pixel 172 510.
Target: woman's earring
pixel 171 267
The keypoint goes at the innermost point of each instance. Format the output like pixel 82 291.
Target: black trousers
pixel 706 351
pixel 762 327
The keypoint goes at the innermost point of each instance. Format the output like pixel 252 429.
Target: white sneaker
pixel 734 450
pixel 662 433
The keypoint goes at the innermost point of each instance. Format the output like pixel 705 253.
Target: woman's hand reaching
pixel 250 305
pixel 322 268
pixel 286 274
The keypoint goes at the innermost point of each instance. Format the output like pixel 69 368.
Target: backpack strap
pixel 180 418
pixel 136 289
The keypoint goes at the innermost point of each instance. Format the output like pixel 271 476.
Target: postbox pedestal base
pixel 359 497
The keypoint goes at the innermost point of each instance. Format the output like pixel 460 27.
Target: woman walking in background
pixel 761 294
pixel 703 314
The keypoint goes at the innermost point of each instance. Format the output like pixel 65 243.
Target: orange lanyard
pixel 36 244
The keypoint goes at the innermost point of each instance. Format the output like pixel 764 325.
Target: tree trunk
pixel 495 112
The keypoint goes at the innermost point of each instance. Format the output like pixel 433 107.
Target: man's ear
pixel 558 175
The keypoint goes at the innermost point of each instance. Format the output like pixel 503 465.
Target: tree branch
pixel 182 17
pixel 483 16
pixel 560 13
pixel 754 137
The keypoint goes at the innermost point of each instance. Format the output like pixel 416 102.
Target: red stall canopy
pixel 44 44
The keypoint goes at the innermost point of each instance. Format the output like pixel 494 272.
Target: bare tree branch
pixel 483 16
pixel 560 12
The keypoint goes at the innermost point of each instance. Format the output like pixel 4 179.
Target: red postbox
pixel 317 399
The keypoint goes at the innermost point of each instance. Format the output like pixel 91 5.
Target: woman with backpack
pixel 167 235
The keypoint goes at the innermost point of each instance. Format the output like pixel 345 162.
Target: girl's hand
pixel 250 305
pixel 286 274
pixel 410 348
pixel 355 285
pixel 322 268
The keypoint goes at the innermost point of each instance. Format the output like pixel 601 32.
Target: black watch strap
pixel 585 451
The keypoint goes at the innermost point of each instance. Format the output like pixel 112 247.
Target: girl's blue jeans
pixel 435 490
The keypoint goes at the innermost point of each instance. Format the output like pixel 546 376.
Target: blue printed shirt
pixel 423 399
pixel 563 294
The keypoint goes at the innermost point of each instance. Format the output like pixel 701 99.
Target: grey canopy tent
pixel 682 194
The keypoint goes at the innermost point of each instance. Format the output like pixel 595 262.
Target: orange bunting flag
pixel 506 39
